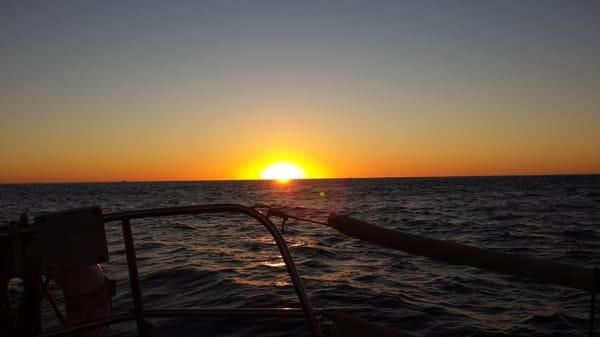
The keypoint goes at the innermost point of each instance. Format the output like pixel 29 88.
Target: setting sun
pixel 282 172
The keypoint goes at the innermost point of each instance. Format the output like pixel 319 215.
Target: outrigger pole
pixel 543 271
pixel 537 269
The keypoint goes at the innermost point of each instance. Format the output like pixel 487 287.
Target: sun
pixel 282 172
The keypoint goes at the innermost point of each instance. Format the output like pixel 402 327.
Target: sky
pixel 186 90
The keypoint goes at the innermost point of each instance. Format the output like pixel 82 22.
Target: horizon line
pixel 306 179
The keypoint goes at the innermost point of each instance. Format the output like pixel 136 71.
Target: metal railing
pixel 140 313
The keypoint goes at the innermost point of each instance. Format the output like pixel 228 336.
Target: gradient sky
pixel 112 90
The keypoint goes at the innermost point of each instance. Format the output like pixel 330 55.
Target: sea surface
pixel 229 260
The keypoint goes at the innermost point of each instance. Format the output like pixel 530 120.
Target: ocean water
pixel 229 260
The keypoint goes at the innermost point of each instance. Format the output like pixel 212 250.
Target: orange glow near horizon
pixel 281 166
pixel 220 93
pixel 282 172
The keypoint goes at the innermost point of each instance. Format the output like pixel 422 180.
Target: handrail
pixel 126 216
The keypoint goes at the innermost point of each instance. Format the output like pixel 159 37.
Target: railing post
pixel 313 324
pixel 125 217
pixel 136 291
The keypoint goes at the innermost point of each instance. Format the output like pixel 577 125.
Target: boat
pixel 70 246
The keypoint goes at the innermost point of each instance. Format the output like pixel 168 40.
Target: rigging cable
pixel 45 284
pixel 278 212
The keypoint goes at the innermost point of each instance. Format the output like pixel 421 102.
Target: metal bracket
pixel 71 239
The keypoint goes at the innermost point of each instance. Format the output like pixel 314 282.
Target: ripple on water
pixel 216 260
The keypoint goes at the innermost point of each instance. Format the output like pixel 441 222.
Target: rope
pixel 307 220
pixel 278 212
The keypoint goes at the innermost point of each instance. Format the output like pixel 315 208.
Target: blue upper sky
pixel 513 69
